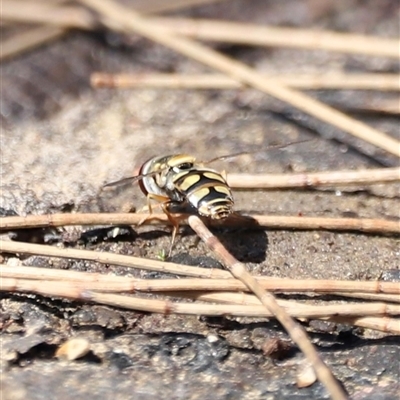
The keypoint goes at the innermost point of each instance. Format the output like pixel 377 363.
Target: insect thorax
pixel 165 167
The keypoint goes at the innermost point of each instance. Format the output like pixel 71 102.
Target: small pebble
pixel 73 348
pixel 305 375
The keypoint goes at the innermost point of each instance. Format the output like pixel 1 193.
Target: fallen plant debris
pixel 98 287
pixel 368 225
pixel 129 21
pixel 227 304
pixel 67 16
pixel 114 283
pixel 213 81
pixel 116 16
pixel 89 287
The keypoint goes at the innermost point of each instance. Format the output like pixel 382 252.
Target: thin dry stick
pixel 346 224
pixel 110 258
pixel 330 80
pixel 47 13
pixel 170 5
pixel 391 298
pixel 383 324
pixel 388 298
pixel 296 332
pixel 74 16
pixel 251 34
pixel 391 325
pixel 59 18
pixel 314 179
pixel 127 284
pixel 131 21
pixel 383 106
pixel 369 225
pixel 378 291
pixel 224 31
pixel 27 40
pixel 234 308
pixel 248 299
pixel 74 291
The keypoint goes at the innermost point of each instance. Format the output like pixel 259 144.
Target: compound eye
pixel 183 167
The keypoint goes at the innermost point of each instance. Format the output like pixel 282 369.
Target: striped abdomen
pixel 206 190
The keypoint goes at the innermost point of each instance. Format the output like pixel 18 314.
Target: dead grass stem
pixel 367 225
pixel 27 40
pixel 377 290
pixel 329 80
pixel 270 36
pixel 233 303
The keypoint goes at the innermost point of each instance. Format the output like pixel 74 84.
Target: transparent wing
pixel 130 179
pixel 274 146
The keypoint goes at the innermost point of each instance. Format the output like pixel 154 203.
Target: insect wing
pixel 130 179
pixel 274 146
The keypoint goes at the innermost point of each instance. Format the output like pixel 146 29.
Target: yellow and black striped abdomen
pixel 206 190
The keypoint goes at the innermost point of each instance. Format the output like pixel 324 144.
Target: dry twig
pixel 383 106
pixel 158 6
pixel 213 81
pixel 314 179
pixel 27 40
pixel 31 38
pixel 70 16
pixel 358 309
pixel 340 224
pixel 130 21
pixel 57 18
pixel 110 258
pixel 256 35
pixel 296 332
pixel 234 308
pixel 368 225
pixel 390 298
pixel 113 283
pixel 331 80
pixel 382 324
pixel 215 30
pixel 61 16
pixel 71 284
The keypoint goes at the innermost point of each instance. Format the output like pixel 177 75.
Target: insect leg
pixel 163 202
pixel 155 197
pixel 174 222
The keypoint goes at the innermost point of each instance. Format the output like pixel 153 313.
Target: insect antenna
pixel 271 147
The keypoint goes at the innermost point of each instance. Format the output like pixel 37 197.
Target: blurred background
pixel 61 136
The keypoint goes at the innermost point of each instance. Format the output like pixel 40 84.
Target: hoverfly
pixel 179 179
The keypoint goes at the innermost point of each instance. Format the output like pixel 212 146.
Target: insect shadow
pixel 241 236
pixel 246 245
pixel 121 233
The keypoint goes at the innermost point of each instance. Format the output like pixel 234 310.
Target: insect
pixel 179 179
